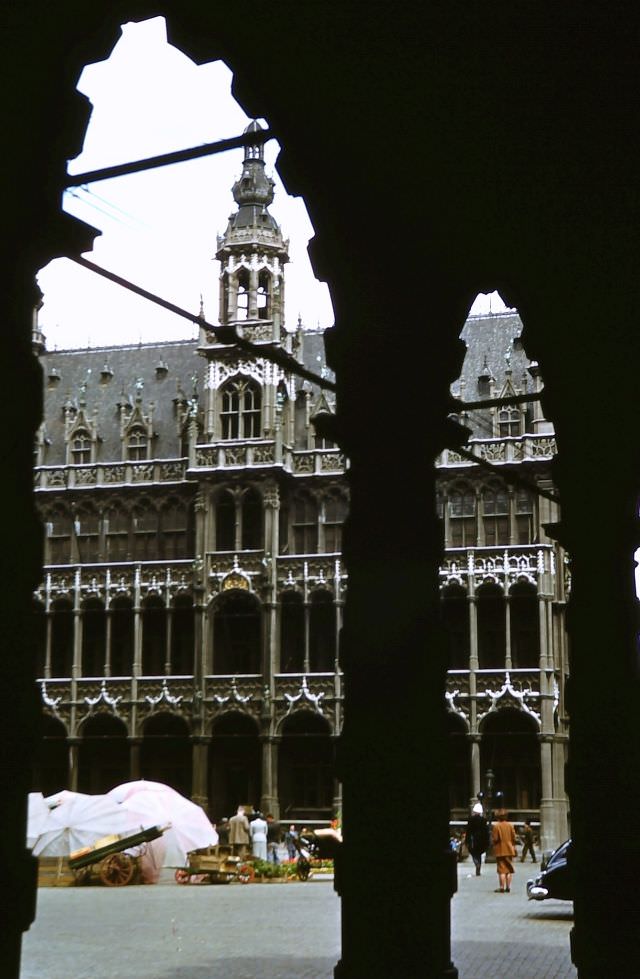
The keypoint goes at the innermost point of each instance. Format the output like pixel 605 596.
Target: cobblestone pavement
pixel 274 931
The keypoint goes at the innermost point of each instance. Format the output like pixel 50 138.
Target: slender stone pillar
pixel 476 783
pixel 199 782
pixel 74 745
pixel 269 801
pixel 135 745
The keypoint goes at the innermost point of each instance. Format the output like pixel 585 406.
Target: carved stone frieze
pixel 207 456
pixel 85 476
pixel 142 473
pixel 303 463
pixel 114 474
pixel 264 454
pixel 235 455
pixel 171 471
pixel 56 477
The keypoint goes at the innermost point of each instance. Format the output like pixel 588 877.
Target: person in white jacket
pixel 258 830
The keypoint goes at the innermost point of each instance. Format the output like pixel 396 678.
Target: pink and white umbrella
pixel 152 803
pixel 37 814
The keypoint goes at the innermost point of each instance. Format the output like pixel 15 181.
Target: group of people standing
pixel 501 835
pixel 260 835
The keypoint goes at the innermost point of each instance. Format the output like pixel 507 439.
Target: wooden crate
pixel 55 872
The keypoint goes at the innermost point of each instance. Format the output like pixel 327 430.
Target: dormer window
pixel 81 449
pixel 137 445
pixel 241 410
pixel 509 422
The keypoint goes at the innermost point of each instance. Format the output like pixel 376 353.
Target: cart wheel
pixel 117 870
pixel 182 876
pixel 303 868
pixel 246 873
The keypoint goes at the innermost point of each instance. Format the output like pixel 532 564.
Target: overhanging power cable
pixel 225 334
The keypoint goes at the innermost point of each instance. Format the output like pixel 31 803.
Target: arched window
pixel 237 635
pixel 225 521
pixel 291 633
pixel 335 512
pixel 495 508
pixel 59 527
pixel 137 444
pixel 241 409
pixel 463 530
pixel 81 448
pixel 491 627
pixel 242 304
pixel 116 533
pixel 459 765
pixel 306 767
pixel 322 633
pixel 93 638
pixel 154 636
pixel 510 747
pixel 525 625
pixel 304 524
pixel 122 633
pixel 145 533
pixel 524 516
pixel 252 523
pixel 455 618
pixel 264 295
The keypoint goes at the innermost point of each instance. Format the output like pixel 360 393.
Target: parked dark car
pixel 555 880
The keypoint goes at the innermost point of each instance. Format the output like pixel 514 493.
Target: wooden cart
pixel 215 865
pixel 107 860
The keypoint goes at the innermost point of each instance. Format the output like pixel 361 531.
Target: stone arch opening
pixel 524 618
pixel 306 770
pixel 322 632
pixel 510 748
pixel 165 751
pixel 103 754
pixel 292 632
pixel 182 636
pixel 61 638
pixel 154 636
pixel 122 636
pixel 459 766
pixel 234 766
pixel 491 617
pixel 94 638
pixel 51 762
pixel 455 620
pixel 237 634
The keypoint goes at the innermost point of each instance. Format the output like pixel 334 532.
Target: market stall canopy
pixel 75 820
pixel 154 803
pixel 37 814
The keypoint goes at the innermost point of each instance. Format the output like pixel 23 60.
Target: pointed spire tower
pixel 252 252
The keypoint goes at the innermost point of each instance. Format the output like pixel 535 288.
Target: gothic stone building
pixel 191 604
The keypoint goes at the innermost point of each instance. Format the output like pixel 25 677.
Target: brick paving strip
pixel 269 932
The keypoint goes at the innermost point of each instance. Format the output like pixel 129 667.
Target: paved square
pixel 274 931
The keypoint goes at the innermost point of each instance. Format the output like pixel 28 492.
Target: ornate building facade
pixel 191 606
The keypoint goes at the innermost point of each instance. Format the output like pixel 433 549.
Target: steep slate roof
pixel 128 364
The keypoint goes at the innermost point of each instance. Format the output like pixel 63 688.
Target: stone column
pixel 507 626
pixel 135 745
pixel 74 744
pixel 476 777
pixel 200 777
pixel 107 641
pixel 49 625
pixel 269 800
pixel 167 659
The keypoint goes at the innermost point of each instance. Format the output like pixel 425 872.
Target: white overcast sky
pixel 159 227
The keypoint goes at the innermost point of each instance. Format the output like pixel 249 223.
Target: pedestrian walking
pixel 290 840
pixel 258 830
pixel 274 838
pixel 527 842
pixel 239 836
pixel 476 836
pixel 503 837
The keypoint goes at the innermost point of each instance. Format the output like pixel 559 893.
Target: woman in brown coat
pixel 503 837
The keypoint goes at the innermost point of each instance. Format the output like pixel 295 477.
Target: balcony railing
pixel 524 448
pixel 110 474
